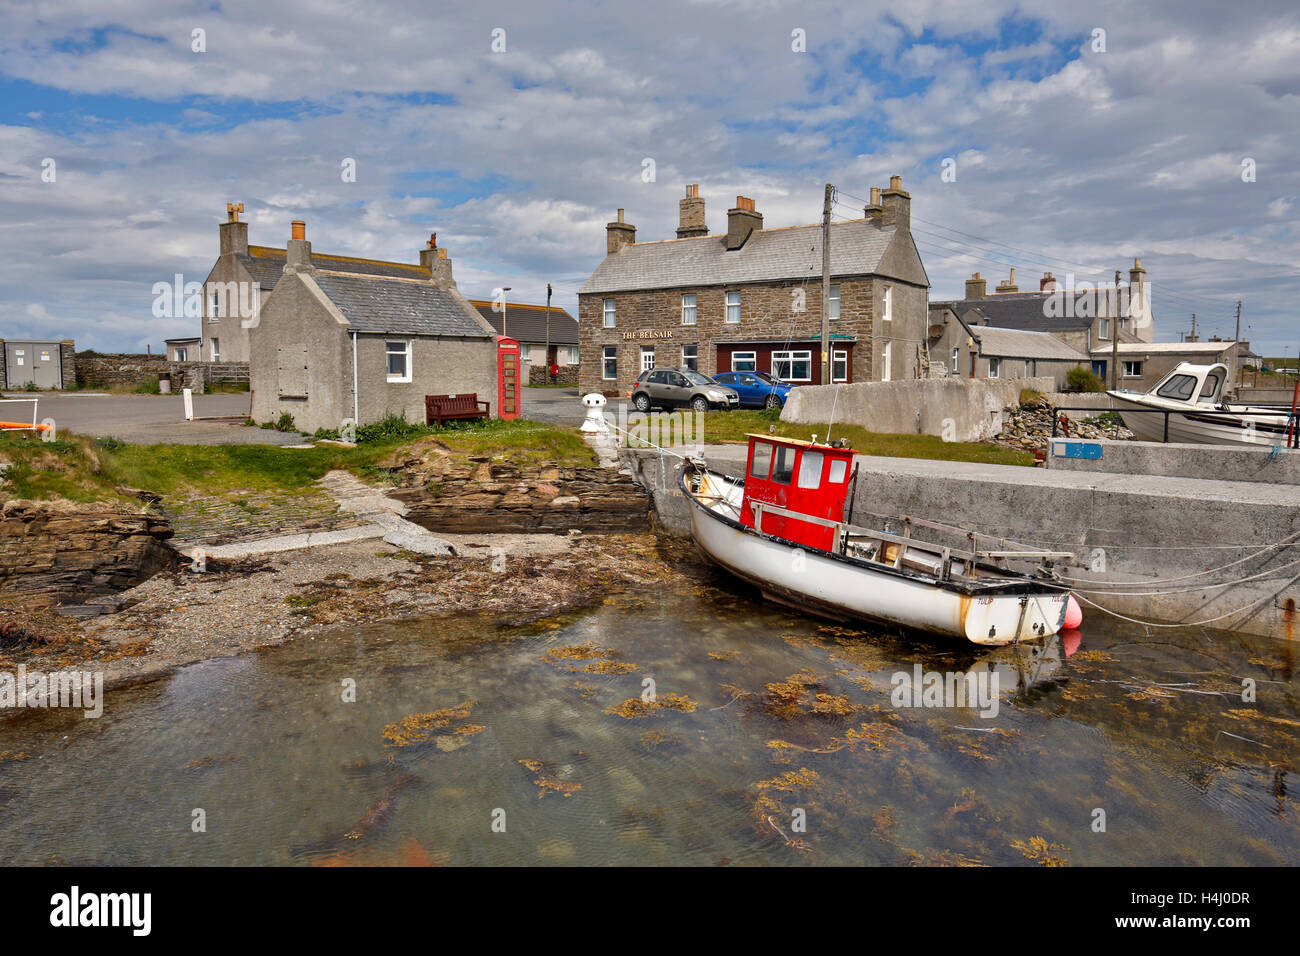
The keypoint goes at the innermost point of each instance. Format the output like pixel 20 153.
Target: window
pixel 1031 367
pixel 570 355
pixel 181 355
pixel 956 360
pixel 691 357
pixel 783 464
pixel 762 459
pixel 792 366
pixel 647 357
pixel 995 367
pixel 839 468
pixel 743 361
pixel 611 314
pixel 886 360
pixel 1179 387
pixel 688 308
pixel 833 306
pixel 216 349
pixel 1211 387
pixel 609 362
pixel 810 469
pixel 525 353
pixel 733 307
pixel 839 365
pixel 887 304
pixel 399 360
pixel 1103 328
pixel 1132 369
pixel 215 314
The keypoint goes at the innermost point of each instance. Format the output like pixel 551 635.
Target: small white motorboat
pixel 786 528
pixel 1191 395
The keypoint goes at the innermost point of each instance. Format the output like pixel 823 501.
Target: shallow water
pixel 287 772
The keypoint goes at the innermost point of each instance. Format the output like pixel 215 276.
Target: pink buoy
pixel 1073 613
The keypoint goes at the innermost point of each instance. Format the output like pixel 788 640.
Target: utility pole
pixel 1114 339
pixel 1237 337
pixel 826 285
pixel 549 363
pixel 504 290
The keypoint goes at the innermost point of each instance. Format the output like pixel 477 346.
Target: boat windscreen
pixel 1180 387
pixel 1211 386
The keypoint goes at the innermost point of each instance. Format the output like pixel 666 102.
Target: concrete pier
pixel 1163 533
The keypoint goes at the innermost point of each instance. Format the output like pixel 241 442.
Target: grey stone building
pixel 750 298
pixel 1081 317
pixel 545 337
pixel 333 344
pixel 972 348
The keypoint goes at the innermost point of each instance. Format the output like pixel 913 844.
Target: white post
pixel 188 394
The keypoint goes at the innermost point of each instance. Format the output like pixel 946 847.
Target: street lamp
pixel 504 290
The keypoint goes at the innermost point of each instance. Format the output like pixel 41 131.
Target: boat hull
pixel 847 588
pixel 1187 426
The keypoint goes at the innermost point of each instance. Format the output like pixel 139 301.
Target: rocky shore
pixel 1029 427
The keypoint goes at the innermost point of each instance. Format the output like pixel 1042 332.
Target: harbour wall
pixel 1151 537
pixel 1220 462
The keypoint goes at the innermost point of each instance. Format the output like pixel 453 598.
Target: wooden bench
pixel 439 408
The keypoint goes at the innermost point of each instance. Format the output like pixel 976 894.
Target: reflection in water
pixel 772 739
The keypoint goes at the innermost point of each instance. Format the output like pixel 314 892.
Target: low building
pixel 184 350
pixel 1142 364
pixel 332 345
pixel 751 298
pixel 38 363
pixel 545 337
pixel 974 349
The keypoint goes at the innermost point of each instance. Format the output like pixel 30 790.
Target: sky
pixel 1048 136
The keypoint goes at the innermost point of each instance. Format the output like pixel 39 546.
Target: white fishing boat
pixel 785 526
pixel 1191 395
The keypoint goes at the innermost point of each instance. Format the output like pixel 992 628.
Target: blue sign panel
pixel 1076 449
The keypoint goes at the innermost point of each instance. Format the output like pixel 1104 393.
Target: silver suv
pixel 674 388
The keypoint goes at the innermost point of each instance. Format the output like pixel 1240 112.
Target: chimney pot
pixel 691 219
pixel 297 252
pixel 618 234
pixel 895 182
pixel 233 233
pixel 741 222
pixel 620 215
pixel 298 229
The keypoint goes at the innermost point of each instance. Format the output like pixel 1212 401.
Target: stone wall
pixel 59 552
pixel 95 369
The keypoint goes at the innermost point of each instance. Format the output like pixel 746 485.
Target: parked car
pixel 674 388
pixel 756 389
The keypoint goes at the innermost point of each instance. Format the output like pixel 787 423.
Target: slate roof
pixel 398 306
pixel 266 265
pixel 527 323
pixel 1020 310
pixel 1167 348
pixel 1017 343
pixel 792 252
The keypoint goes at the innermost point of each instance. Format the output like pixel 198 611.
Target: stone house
pixel 533 328
pixel 244 276
pixel 1142 364
pixel 1081 317
pixel 972 348
pixel 332 345
pixel 750 298
pixel 184 350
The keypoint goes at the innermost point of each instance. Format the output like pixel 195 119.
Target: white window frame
pixel 696 356
pixel 609 313
pixel 690 308
pixel 833 304
pixel 1103 329
pixel 729 303
pixel 525 353
pixel 792 356
pixel 995 368
pixel 1129 364
pixel 839 355
pixel 213 317
pixel 215 348
pixel 753 361
pixel 956 361
pixel 406 355
pixel 181 355
pixel 886 361
pixel 647 350
pixel 887 304
pixel 609 352
pixel 571 355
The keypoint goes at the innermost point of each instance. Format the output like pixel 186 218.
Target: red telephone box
pixel 509 398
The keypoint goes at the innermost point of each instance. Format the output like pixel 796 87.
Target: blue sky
pixel 1068 158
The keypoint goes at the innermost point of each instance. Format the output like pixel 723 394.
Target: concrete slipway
pixel 1197 551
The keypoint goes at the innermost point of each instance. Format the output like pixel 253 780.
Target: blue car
pixel 756 389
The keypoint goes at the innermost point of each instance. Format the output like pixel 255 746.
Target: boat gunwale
pixel 978 588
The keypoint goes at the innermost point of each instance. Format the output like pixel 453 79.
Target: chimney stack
pixel 618 234
pixel 976 288
pixel 896 205
pixel 741 222
pixel 1047 283
pixel 234 234
pixel 1010 284
pixel 874 210
pixel 1137 275
pixel 691 223
pixel 297 253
